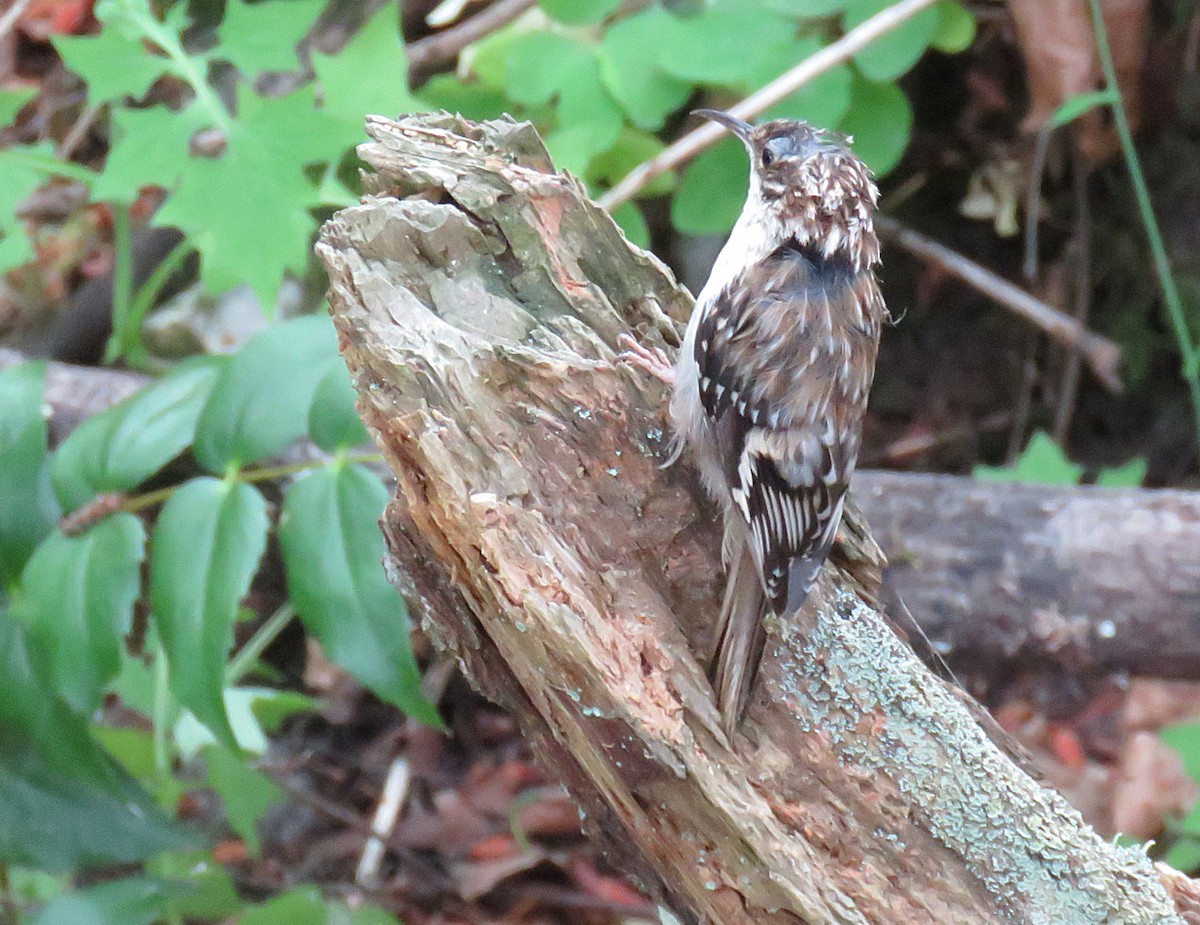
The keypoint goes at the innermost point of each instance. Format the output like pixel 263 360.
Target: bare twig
pixel 827 58
pixel 1033 203
pixel 14 12
pixel 1023 409
pixel 395 789
pixel 1101 353
pixel 79 130
pixel 1081 298
pixel 428 54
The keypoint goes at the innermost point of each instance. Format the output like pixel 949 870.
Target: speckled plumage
pixel 772 381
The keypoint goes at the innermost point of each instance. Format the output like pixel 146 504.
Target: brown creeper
pixel 771 383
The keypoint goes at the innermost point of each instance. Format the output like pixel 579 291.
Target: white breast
pixel 750 241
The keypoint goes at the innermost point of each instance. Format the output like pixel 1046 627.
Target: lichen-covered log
pixel 479 298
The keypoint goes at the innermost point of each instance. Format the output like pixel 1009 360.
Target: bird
pixel 771 384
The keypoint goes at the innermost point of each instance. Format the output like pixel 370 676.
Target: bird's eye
pixel 768 157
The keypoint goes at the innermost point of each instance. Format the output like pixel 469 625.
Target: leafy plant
pixel 246 173
pixel 71 591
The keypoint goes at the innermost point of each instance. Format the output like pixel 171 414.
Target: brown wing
pixel 785 356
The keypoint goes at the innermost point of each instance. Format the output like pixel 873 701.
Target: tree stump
pixel 479 297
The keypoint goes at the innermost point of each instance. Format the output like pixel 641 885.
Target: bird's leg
pixel 650 360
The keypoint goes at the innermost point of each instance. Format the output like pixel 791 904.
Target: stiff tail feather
pixel 740 638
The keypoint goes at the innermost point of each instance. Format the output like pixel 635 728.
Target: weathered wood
pixel 1092 580
pixel 479 298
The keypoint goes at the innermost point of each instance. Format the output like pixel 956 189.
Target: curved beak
pixel 735 125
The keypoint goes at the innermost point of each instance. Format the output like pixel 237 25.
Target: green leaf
pixel 67 804
pixel 246 792
pixel 300 906
pixel 131 901
pixel 633 223
pixel 78 598
pixel 207 544
pixel 539 65
pixel 1184 855
pixel 713 190
pixel 1041 463
pixel 263 36
pixel 120 448
pixel 149 148
pixel 132 748
pixel 808 9
pixel 369 75
pixel 880 122
pixel 632 147
pixel 1075 106
pixel 12 102
pixel 579 12
pixel 333 421
pixel 332 549
pixel 712 48
pixel 19 177
pixel 473 99
pixel 339 914
pixel 261 170
pixel 629 66
pixel 27 508
pixel 1185 739
pixel 112 64
pixel 1130 475
pixel 488 58
pixel 15 246
pixel 589 120
pixel 955 28
pixel 212 896
pixel 896 51
pixel 261 400
pixel 252 711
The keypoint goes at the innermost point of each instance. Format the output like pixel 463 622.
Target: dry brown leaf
pixel 452 828
pixel 554 815
pixel 1153 704
pixel 1060 53
pixel 476 879
pixel 1061 61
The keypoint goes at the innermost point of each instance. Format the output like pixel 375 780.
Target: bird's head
pixel 811 183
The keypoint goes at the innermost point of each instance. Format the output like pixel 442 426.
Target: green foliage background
pixel 247 176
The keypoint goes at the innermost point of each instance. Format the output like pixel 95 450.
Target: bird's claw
pixel 650 360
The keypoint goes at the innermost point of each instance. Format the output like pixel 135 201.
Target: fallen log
pixel 478 298
pixel 1085 580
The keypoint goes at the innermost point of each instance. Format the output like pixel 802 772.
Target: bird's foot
pixel 650 360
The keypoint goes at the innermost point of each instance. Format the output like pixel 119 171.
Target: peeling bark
pixel 479 298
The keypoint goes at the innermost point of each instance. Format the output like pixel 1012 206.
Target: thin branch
pixel 427 55
pixel 1081 297
pixel 1102 355
pixel 810 68
pixel 395 791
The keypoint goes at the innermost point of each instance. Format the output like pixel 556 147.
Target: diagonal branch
pixel 829 57
pixel 479 298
